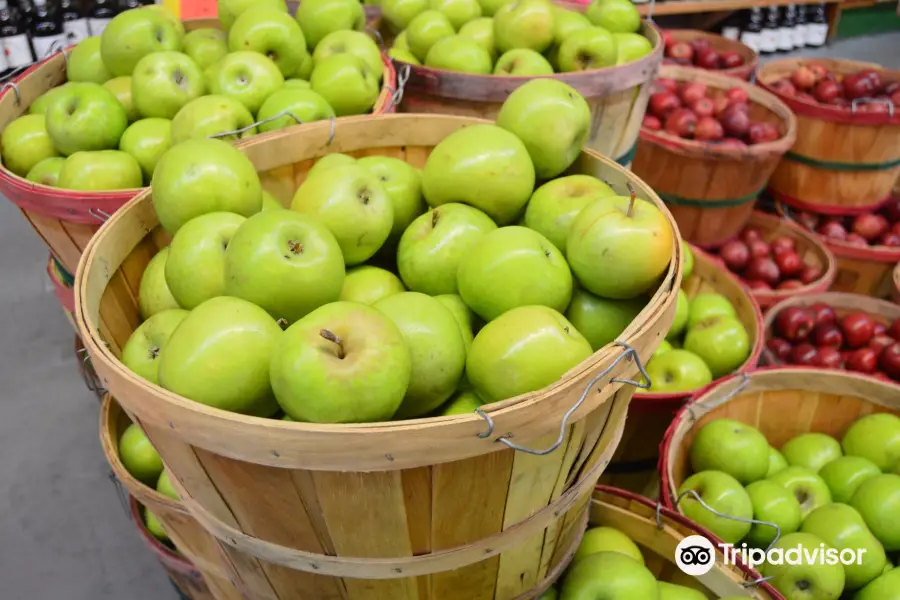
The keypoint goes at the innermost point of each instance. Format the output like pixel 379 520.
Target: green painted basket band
pixel 842 166
pixel 626 158
pixel 723 203
pixel 64 275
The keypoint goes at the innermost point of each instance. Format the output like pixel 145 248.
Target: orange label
pixel 199 9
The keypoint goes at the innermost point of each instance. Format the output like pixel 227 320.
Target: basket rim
pixel 165 554
pixel 741 48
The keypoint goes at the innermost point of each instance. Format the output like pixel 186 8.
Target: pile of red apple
pixel 817 336
pixel 767 265
pixel 881 228
pixel 688 111
pixel 815 84
pixel 698 53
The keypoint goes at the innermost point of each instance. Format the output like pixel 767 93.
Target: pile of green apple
pixel 514 37
pixel 145 85
pixel 361 302
pixel 844 494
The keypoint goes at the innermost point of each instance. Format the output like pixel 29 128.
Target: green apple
pixel 458 12
pixel 121 89
pixel 523 350
pixel 100 170
pixel 295 84
pixel 201 176
pixel 154 295
pixel 343 363
pixel 142 351
pixel 368 285
pixel 463 314
pixel 399 13
pixel 687 266
pixel 461 54
pixel 350 201
pixel 154 526
pixel 436 348
pixel 677 371
pixel 801 580
pixel 86 64
pixel 732 447
pixel 617 16
pixel 285 262
pixel 47 171
pixel 876 437
pixel 554 206
pixel 335 159
pixel 230 10
pixel 220 355
pixel 776 462
pixel 682 309
pixel 269 202
pixel 139 456
pixel 346 83
pixel 708 305
pixel 272 32
pixel 212 115
pixel 306 105
pixel 524 24
pixel 522 62
pixel 841 527
pixel 845 474
pixel 489 7
pixel 663 348
pixel 601 244
pixel 722 343
pixel 723 493
pixel 403 185
pixel 772 503
pixel 811 450
pixel 25 143
pixel 39 106
pixel 601 320
pixel 512 267
pixel 402 55
pixel 164 486
pixel 248 77
pixel 484 166
pixel 809 489
pixel 878 501
pixel 566 22
pixel 85 116
pixel 400 42
pixel 588 49
pixel 606 539
pixel 163 82
pixel 318 18
pixel 482 31
pixel 671 591
pixel 885 587
pixel 609 576
pixel 425 29
pixel 355 43
pixel 170 17
pixel 631 47
pixel 462 403
pixel 147 140
pixel 132 35
pixel 206 46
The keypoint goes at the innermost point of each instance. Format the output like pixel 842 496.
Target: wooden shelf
pixel 685 7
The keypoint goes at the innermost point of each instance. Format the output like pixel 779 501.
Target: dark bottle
pixel 800 28
pixel 14 38
pixel 769 38
pixel 816 26
pixel 27 9
pixel 128 4
pixel 75 22
pixel 100 14
pixel 751 33
pixel 731 28
pixel 786 30
pixel 47 33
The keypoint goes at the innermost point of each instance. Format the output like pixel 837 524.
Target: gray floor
pixel 64 534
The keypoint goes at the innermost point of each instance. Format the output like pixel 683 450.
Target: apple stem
pixel 332 337
pixel 434 218
pixel 631 201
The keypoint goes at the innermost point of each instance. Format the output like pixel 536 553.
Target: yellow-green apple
pixel 269 202
pixel 403 185
pixel 842 527
pixel 811 450
pixel 121 89
pixel 164 486
pixel 170 17
pixel 272 32
pixel 206 46
pixel 343 363
pixel 212 115
pixel 463 315
pixel 368 285
pixel 163 82
pixel 631 47
pixel 350 201
pixel 885 587
pixel 39 106
pixel 85 116
pixel 248 77
pixel 355 43
pixel 335 159
pixel 482 31
pixel 154 295
pixel 708 305
pixel 606 539
pixel 808 488
pixel 732 447
pixel 25 143
pixel 554 206
pixel 490 7
pixel 512 267
pixel 617 16
pixel 587 49
pixel 845 474
pixel 47 171
pixel 773 504
pixel 722 343
pixel 306 105
pixel 400 42
pixel 878 501
pixel 139 456
pixel 664 347
pixel 346 83
pixel 521 62
pixel 458 12
pixel 552 119
pixel 458 53
pixel 876 437
pixel 601 320
pixel 201 176
pixel 295 84
pixel 682 309
pixel 100 170
pixel 802 580
pixel 284 262
pixel 220 355
pixel 677 371
pixel 672 591
pixel 776 462
pixel 306 68
pixel 132 35
pixel 484 166
pixel 86 64
pixel 523 350
pixel 611 576
pixel 230 10
pixel 463 403
pixel 436 349
pixel 147 140
pixel 687 266
pixel 424 30
pixel 154 526
pixel 566 22
pixel 524 24
pixel 399 54
pixel 399 13
pixel 723 493
pixel 318 18
pixel 601 244
pixel 142 351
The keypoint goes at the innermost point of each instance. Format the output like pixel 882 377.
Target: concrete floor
pixel 64 533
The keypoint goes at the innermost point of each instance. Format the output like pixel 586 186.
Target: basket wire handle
pixel 57 46
pixel 120 492
pixel 740 387
pixel 857 101
pixel 397 94
pixel 284 113
pixel 376 35
pixel 100 215
pixel 86 361
pixel 650 10
pixel 12 85
pixel 629 354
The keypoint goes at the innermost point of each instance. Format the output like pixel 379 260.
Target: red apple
pixel 858 328
pixel 784 87
pixel 730 60
pixel 782 243
pixel 707 59
pixel 891 86
pixel 681 122
pixel 833 230
pixel 758 286
pixel 828 335
pixel 810 273
pixel 764 269
pixel 735 121
pixel 893 330
pixel 663 103
pixel 879 328
pixel 858 85
pixel 749 234
pixel 891 210
pixel 652 123
pixel 762 132
pixel 759 249
pixel 808 220
pixel 735 254
pixel 691 92
pixel 873 76
pixel 680 50
pixel 699 44
pixel 864 360
pixel 880 342
pixel 804 97
pixel 870 226
pixel 794 323
pixel 732 143
pixel 719 105
pixel 803 78
pixel 708 130
pixel 805 354
pixel 667 84
pixel 789 263
pixel 830 358
pixel 779 348
pixel 889 361
pixel 667 38
pixel 856 239
pixel 822 314
pixel 790 284
pixel 704 107
pixel 895 228
pixel 889 239
pixel 826 91
pixel 818 71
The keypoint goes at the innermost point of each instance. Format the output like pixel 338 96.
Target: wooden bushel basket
pixel 187 535
pixel 62 283
pixel 720 44
pixel 428 508
pixel 711 189
pixel 845 161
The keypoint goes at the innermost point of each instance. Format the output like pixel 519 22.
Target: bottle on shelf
pixel 47 33
pixel 800 27
pixel 768 43
pixel 751 32
pixel 75 22
pixel 14 38
pixel 816 26
pixel 26 7
pixel 786 30
pixel 100 14
pixel 731 28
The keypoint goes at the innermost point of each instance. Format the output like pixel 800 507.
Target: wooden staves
pixel 426 509
pixel 721 44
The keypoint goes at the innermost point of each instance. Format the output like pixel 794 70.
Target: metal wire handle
pixel 857 101
pixel 100 215
pixel 120 492
pixel 376 35
pixel 397 94
pixel 57 46
pixel 650 10
pixel 629 354
pixel 745 381
pixel 238 132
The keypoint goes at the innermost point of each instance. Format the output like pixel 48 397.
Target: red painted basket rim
pixel 166 555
